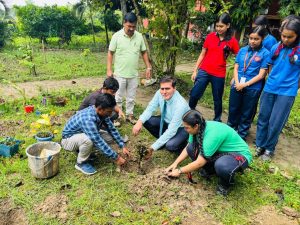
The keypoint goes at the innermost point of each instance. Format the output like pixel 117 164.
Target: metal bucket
pixel 43 165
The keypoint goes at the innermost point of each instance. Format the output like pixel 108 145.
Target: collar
pixel 254 50
pixel 93 112
pixel 171 99
pixel 125 35
pixel 226 38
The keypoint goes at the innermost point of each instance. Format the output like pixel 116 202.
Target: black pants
pixel 225 166
pixel 176 143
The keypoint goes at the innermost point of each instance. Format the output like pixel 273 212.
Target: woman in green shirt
pixel 213 146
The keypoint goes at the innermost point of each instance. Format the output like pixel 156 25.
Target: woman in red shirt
pixel 211 64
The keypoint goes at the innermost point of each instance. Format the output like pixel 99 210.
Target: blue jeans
pixel 217 85
pixel 241 108
pixel 225 166
pixel 176 143
pixel 274 112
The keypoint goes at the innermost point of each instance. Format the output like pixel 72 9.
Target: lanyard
pixel 246 66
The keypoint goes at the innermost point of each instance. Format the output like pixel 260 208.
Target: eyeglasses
pixel 162 89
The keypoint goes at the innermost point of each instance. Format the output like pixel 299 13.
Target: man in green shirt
pixel 213 146
pixel 125 47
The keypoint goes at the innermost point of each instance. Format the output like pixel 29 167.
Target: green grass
pixel 91 200
pixel 53 65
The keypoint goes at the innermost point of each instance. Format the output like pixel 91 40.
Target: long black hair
pixel 226 19
pixel 193 118
pixel 260 31
pixel 263 21
pixel 294 25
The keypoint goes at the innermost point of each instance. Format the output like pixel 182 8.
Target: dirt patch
pixel 183 198
pixel 10 215
pixel 268 215
pixel 204 219
pixel 54 206
pixel 10 128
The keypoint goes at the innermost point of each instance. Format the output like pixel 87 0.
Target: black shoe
pixel 221 190
pixel 267 156
pixel 259 151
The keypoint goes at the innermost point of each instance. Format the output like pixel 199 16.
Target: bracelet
pixel 149 68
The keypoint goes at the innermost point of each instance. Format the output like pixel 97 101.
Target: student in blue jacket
pixel 249 71
pixel 269 40
pixel 280 90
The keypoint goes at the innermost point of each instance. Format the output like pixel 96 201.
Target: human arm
pixel 174 114
pixel 199 61
pixel 179 159
pixel 90 128
pixel 110 56
pixel 120 112
pixel 258 77
pixel 195 165
pixel 147 63
pixel 137 128
pixel 114 132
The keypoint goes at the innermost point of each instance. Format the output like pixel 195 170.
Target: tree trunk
pixel 123 7
pixel 147 43
pixel 106 35
pixel 92 20
pixel 186 28
pixel 242 36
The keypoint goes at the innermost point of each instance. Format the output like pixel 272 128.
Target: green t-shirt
pixel 220 138
pixel 127 51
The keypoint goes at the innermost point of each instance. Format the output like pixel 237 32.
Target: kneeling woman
pixel 213 146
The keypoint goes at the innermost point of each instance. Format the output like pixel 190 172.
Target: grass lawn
pixel 127 197
pixel 62 64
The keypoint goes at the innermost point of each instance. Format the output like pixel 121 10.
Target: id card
pixel 243 80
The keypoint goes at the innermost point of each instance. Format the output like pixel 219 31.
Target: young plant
pixel 27 59
pixel 42 127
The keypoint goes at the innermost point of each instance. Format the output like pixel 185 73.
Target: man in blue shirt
pixel 81 133
pixel 168 126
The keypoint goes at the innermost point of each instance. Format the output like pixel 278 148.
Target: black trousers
pixel 224 166
pixel 176 143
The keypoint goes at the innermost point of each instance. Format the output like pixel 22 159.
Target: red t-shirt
pixel 214 62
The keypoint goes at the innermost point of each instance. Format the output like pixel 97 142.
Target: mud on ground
pixel 11 215
pixel 54 206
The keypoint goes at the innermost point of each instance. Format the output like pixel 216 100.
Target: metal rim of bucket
pixel 45 142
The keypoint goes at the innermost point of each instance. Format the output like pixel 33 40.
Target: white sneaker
pixel 117 123
pixel 149 82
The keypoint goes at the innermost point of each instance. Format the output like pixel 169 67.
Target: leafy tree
pixel 242 12
pixel 86 6
pixel 44 22
pixel 288 7
pixel 6 24
pixel 167 19
pixel 111 22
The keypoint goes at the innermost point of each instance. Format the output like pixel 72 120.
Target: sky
pixel 41 2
